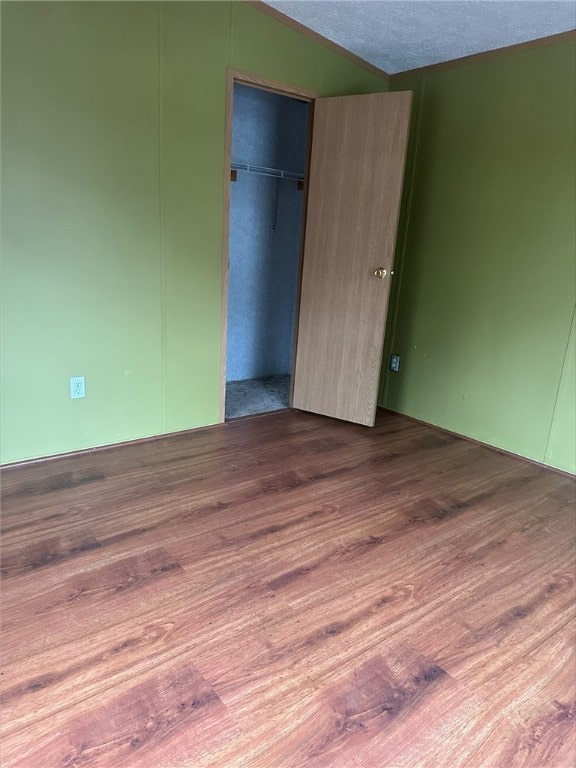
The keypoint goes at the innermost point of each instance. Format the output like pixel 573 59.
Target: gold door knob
pixel 380 272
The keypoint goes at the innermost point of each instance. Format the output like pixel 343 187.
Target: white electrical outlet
pixel 395 363
pixel 77 387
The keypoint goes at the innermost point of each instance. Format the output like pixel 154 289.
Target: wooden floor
pixel 289 591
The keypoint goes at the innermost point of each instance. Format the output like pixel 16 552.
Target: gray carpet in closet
pixel 250 396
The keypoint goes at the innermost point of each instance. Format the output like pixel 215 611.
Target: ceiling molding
pixel 540 42
pixel 441 66
pixel 307 32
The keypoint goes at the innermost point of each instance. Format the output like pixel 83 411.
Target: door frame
pixel 283 89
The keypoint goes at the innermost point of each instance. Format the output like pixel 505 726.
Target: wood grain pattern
pixel 289 591
pixel 356 174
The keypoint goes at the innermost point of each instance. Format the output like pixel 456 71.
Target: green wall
pixel 112 190
pixel 484 304
pixel 112 174
pixel 561 447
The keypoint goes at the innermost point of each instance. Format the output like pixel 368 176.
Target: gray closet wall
pixel 265 227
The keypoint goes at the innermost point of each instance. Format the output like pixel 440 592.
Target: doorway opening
pixel 269 154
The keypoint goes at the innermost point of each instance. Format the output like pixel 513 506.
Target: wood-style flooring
pixel 289 591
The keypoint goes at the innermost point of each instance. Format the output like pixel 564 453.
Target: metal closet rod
pixel 263 171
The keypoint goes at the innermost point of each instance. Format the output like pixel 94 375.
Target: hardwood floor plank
pixel 289 591
pixel 168 712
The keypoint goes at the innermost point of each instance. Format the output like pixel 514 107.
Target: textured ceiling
pixel 396 35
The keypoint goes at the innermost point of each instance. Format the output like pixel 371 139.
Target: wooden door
pixel 356 173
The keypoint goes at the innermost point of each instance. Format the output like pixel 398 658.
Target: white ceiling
pixel 397 35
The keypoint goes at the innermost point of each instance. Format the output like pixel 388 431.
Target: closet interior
pixel 268 163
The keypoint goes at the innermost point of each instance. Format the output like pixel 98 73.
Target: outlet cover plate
pixel 395 363
pixel 77 387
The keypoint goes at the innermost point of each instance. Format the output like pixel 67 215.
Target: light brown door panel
pixel 356 173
